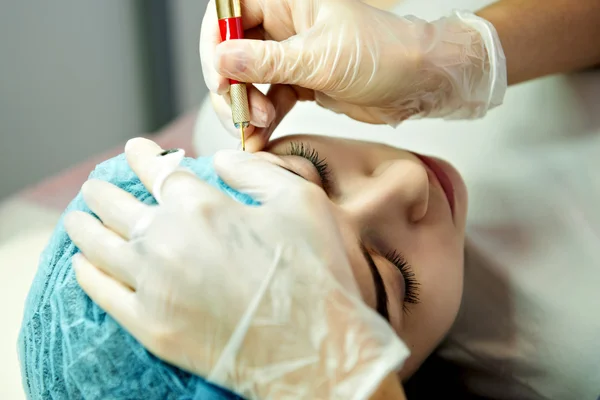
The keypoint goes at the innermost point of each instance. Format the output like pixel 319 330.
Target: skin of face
pixel 392 200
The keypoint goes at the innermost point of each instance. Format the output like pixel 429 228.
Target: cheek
pixel 441 289
pixel 440 274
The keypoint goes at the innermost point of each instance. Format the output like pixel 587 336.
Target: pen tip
pixel 243 138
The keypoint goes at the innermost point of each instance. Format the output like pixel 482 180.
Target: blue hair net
pixel 70 349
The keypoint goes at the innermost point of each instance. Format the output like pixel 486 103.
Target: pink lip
pixel 442 178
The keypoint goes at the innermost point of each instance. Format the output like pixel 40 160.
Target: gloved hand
pixel 354 59
pixel 260 300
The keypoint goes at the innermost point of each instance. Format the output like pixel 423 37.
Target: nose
pixel 395 189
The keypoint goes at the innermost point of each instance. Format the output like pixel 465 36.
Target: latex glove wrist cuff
pixel 465 54
pixel 310 335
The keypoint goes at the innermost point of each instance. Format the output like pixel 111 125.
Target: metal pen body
pixel 229 13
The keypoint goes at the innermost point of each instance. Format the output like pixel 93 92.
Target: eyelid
pixel 410 285
pixel 320 165
pixel 380 290
pixel 293 172
pixel 304 168
pixel 285 162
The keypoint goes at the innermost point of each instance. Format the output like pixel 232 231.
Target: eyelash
pixel 305 151
pixel 411 292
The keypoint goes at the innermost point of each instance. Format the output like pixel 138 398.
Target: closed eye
pixel 304 150
pixel 411 285
pixel 381 304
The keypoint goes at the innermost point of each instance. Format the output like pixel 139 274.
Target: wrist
pixel 463 67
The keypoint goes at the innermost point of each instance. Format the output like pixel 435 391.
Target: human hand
pixel 351 58
pixel 261 300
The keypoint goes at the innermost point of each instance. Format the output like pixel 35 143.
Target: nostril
pixel 418 212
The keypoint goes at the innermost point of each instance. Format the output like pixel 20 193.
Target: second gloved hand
pixel 354 59
pixel 260 300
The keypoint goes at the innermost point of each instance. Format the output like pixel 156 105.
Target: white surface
pixel 529 322
pixel 24 232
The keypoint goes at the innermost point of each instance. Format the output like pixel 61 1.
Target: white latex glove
pixel 260 300
pixel 355 59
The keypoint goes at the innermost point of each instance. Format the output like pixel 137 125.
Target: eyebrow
pixel 380 292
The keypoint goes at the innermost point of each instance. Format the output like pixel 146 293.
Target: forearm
pixel 543 37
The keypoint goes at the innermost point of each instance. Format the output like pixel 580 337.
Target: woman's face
pixel 408 213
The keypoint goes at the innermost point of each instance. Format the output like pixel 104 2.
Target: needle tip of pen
pixel 243 138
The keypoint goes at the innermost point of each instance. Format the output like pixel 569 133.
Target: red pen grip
pixel 231 28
